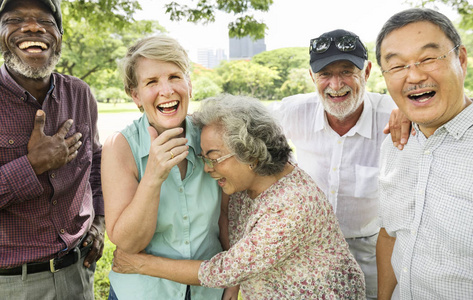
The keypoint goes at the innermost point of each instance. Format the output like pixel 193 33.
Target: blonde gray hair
pixel 158 47
pixel 248 129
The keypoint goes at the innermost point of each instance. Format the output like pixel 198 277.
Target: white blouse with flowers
pixel 285 244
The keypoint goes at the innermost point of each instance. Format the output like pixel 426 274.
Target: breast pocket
pixel 12 146
pixel 366 181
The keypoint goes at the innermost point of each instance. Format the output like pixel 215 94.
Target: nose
pixel 165 88
pixel 207 168
pixel 415 74
pixel 33 26
pixel 336 82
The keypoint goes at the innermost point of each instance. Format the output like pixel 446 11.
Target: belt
pixel 52 265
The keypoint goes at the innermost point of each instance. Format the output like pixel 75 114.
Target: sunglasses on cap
pixel 344 43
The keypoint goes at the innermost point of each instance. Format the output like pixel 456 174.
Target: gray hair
pixel 159 47
pixel 248 129
pixel 414 15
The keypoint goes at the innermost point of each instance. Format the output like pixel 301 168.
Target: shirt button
pixel 11 142
pixel 181 190
pixel 54 202
pixel 413 232
pixel 187 242
pixel 185 217
pixel 22 98
pixel 333 192
pixel 62 231
pixel 335 169
pixel 53 175
pixel 339 141
pixel 427 152
pixel 404 269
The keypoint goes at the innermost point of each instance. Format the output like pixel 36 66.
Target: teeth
pixel 25 45
pixel 167 105
pixel 338 94
pixel 418 95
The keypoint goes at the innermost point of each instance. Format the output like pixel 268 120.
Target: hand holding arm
pixel 182 271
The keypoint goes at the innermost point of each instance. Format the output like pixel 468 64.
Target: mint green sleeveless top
pixel 187 226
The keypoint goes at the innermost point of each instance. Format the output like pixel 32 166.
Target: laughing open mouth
pixel 168 107
pixel 339 94
pixel 422 97
pixel 33 47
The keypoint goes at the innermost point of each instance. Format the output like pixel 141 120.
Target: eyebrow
pixel 425 47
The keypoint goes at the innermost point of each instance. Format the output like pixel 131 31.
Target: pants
pixel 364 251
pixel 73 282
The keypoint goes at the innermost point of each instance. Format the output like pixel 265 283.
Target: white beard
pixel 344 109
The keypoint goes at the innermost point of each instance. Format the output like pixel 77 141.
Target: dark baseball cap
pixel 54 5
pixel 335 46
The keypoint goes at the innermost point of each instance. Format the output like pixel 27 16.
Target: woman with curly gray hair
pixel 285 241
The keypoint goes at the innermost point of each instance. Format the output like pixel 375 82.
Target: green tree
pixel 298 82
pixel 283 60
pixel 204 11
pixel 463 7
pixel 247 78
pixel 91 48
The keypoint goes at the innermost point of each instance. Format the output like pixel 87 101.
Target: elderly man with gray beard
pixel 337 132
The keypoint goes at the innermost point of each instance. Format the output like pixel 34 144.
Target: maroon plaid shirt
pixel 42 216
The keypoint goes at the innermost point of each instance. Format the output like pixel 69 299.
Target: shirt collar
pixel 363 126
pixel 192 135
pixel 457 126
pixel 18 90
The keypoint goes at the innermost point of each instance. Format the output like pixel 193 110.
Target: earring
pixel 251 166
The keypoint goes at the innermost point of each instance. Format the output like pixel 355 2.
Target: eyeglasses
pixel 212 162
pixel 344 43
pixel 426 65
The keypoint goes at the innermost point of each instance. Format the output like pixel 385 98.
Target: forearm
pixel 18 182
pixel 182 271
pixel 136 225
pixel 386 277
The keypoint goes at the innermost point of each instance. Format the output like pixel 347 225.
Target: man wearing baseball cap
pixel 338 131
pixel 51 206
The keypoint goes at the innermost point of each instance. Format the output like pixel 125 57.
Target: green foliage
pixel 204 87
pixel 96 35
pixel 298 82
pixel 204 11
pixel 463 7
pixel 247 78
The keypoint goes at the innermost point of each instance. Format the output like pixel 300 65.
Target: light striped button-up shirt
pixel 426 203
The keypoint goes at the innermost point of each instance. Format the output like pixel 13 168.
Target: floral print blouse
pixel 285 244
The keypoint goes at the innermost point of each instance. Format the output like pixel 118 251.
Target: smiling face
pixel 429 98
pixel 341 87
pixel 30 39
pixel 164 92
pixel 232 175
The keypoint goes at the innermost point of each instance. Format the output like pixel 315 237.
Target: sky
pixel 291 23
